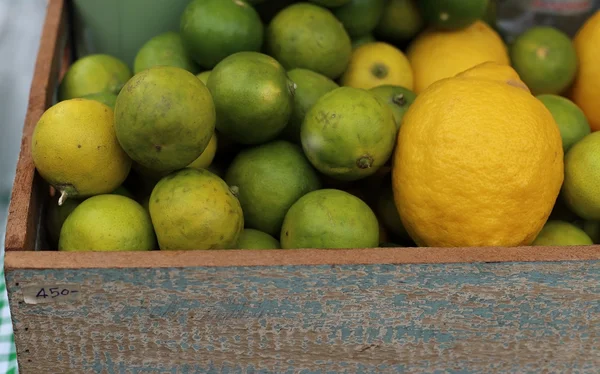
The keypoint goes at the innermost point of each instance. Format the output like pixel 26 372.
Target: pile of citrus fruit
pixel 265 124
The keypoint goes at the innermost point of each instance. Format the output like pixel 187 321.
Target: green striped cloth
pixel 8 354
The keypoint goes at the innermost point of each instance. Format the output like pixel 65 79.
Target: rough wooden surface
pixel 501 317
pixel 28 188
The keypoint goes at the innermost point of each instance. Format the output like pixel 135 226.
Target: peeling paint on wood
pixel 467 318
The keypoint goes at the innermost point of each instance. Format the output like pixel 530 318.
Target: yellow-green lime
pixel 348 134
pixel 308 36
pixel 204 76
pixel 194 209
pixel 164 50
pixel 254 239
pixel 310 86
pixel 253 97
pixel 214 29
pixel 268 179
pixel 329 218
pixel 571 120
pixel 74 148
pixel 164 118
pixel 106 98
pixel 401 21
pixel 206 158
pixel 545 59
pixel 360 17
pixel 397 98
pixel 558 233
pixel 107 223
pixel 581 186
pixel 452 14
pixel 92 74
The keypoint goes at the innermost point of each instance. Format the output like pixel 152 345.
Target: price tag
pixel 50 293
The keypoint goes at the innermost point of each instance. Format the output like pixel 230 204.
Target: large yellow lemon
pixel 586 90
pixel 435 54
pixel 478 162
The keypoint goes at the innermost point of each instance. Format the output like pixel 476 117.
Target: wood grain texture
pixel 467 318
pixel 28 188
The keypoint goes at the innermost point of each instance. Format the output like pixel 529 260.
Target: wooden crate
pixel 287 311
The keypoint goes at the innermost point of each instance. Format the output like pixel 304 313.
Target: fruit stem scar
pixel 399 99
pixel 62 198
pixel 444 16
pixel 235 190
pixel 379 70
pixel 542 52
pixel 364 162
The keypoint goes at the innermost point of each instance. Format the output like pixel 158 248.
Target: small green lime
pixel 401 21
pixel 164 49
pixel 545 59
pixel 204 76
pixel 329 218
pixel 107 223
pixel 310 86
pixel 397 98
pixel 360 17
pixel 571 121
pixel 254 239
pixel 558 233
pixel 452 14
pixel 364 39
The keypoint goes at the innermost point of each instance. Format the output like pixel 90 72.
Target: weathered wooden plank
pixel 500 317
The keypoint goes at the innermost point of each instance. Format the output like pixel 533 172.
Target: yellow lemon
pixel 436 54
pixel 75 149
pixel 207 156
pixel 376 64
pixel 586 89
pixel 478 162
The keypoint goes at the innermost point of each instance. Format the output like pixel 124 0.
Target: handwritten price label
pixel 53 293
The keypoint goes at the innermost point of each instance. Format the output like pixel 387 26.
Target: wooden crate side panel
pixel 28 187
pixel 510 317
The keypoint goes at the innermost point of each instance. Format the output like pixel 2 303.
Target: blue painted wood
pixel 462 318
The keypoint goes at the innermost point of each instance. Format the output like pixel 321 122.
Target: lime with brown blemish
pixel 348 134
pixel 254 239
pixel 74 148
pixel 545 59
pixel 397 98
pixel 164 118
pixel 329 218
pixel 195 209
pixel 270 178
pixel 253 97
pixel 310 86
pixel 107 223
pixel 92 74
pixel 164 50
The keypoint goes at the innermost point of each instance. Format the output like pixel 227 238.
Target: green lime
pixel 401 21
pixel 107 223
pixel 307 36
pixel 364 39
pixel 106 98
pixel 571 121
pixel 254 239
pixel 214 29
pixel 397 98
pixel 581 186
pixel 545 59
pixel 360 17
pixel 348 134
pixel 164 50
pixel 561 233
pixel 452 14
pixel 253 97
pixel 310 86
pixel 270 178
pixel 330 3
pixel 388 213
pixel 204 76
pixel 329 218
pixel 93 74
